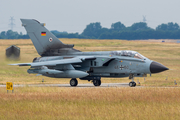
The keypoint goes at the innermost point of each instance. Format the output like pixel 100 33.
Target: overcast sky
pixel 73 15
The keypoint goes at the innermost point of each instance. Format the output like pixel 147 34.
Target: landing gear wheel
pixel 132 84
pixel 97 82
pixel 73 82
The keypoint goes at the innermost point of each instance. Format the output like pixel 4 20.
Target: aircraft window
pixel 138 56
pixel 127 53
pixel 116 53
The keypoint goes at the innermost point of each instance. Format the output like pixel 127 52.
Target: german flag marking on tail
pixel 43 33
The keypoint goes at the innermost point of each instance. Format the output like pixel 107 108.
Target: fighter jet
pixel 59 60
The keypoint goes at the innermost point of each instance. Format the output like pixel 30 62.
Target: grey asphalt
pixel 79 85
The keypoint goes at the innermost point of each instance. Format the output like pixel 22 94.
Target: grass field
pixel 35 103
pixel 160 101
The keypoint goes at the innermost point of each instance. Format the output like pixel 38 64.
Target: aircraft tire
pixel 97 82
pixel 132 84
pixel 73 82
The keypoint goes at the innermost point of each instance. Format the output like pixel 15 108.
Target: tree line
pixel 118 30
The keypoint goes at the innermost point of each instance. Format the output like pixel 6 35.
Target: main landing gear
pixel 73 82
pixel 132 84
pixel 97 82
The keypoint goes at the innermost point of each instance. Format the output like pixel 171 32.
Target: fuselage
pixel 108 64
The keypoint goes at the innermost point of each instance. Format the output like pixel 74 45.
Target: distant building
pixel 13 51
pixel 163 41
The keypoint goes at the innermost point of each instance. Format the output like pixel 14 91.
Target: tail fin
pixel 43 40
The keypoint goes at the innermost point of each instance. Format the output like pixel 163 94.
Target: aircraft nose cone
pixel 156 67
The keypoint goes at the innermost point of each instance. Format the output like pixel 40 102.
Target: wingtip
pixel 21 64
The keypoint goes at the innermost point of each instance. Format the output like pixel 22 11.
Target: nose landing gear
pixel 132 83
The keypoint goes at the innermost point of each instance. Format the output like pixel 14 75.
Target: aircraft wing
pixel 78 59
pixel 51 63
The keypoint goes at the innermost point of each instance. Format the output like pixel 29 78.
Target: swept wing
pixel 51 63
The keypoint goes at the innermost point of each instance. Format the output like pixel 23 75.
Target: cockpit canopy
pixel 128 53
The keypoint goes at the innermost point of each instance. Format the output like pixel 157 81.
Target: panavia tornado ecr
pixel 59 60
